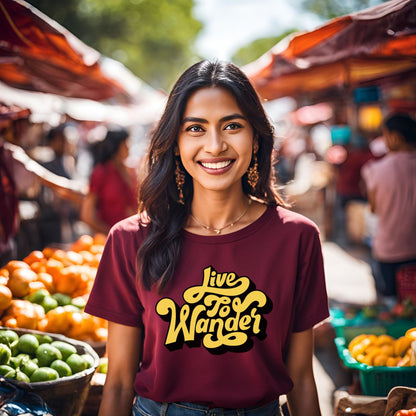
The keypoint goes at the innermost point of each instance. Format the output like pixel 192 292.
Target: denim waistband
pixel 148 407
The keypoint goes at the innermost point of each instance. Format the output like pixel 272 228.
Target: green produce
pixel 28 344
pixel 62 299
pixel 5 354
pixel 7 336
pixel 46 353
pixel 65 348
pixel 35 357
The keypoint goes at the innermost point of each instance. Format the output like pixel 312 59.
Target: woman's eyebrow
pixel 202 120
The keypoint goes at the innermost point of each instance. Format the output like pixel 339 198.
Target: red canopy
pixel 350 50
pixel 38 54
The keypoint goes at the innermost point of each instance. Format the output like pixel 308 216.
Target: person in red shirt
pixel 112 191
pixel 213 289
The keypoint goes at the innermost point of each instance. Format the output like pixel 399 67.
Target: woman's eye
pixel 194 129
pixel 233 126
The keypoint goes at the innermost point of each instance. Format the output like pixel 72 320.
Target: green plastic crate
pixel 376 381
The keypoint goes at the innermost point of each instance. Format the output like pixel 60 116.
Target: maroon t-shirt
pixel 219 332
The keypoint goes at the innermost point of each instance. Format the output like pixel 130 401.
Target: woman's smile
pixel 216 140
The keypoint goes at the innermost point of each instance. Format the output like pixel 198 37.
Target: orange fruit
pixel 68 280
pixel 48 251
pixel 72 257
pixel 96 249
pixel 4 272
pixel 39 266
pixel 35 286
pixel 47 281
pixel 35 255
pixel 19 281
pixel 13 265
pixel 5 297
pixel 83 243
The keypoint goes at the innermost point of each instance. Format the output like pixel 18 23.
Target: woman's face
pixel 215 140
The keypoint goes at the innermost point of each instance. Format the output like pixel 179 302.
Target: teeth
pixel 217 165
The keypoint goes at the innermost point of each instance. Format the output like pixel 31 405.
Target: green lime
pixel 79 302
pixel 44 374
pixel 44 339
pixel 7 336
pixel 46 353
pixel 28 367
pixel 63 369
pixel 77 363
pixel 4 369
pixel 11 374
pixel 49 303
pixel 5 354
pixel 19 359
pixel 21 376
pixel 28 343
pixel 14 347
pixel 38 296
pixel 89 359
pixel 65 348
pixel 62 299
pixel 103 366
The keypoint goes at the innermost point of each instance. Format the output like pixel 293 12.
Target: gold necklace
pixel 218 230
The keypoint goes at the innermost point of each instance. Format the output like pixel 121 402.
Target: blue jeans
pixel 148 407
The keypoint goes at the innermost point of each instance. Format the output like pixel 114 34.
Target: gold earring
pixel 253 171
pixel 180 181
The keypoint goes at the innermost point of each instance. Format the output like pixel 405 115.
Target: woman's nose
pixel 215 143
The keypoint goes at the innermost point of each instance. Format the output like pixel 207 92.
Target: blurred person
pixel 18 174
pixel 391 190
pixel 57 215
pixel 212 290
pixel 113 186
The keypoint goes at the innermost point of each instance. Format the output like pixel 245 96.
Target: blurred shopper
pixel 58 215
pixel 18 172
pixel 391 189
pixel 112 195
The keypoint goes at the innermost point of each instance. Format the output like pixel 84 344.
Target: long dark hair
pixel 158 194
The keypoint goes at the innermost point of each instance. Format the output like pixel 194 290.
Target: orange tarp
pixel 38 54
pixel 350 50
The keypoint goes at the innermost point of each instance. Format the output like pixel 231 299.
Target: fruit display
pixel 34 358
pixel 384 350
pixel 48 289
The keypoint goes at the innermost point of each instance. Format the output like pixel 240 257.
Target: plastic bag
pixel 15 401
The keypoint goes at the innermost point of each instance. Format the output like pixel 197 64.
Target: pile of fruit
pixel 33 358
pixel 48 290
pixel 384 350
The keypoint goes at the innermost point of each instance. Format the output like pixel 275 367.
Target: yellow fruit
pixel 388 349
pixel 384 339
pixel 411 333
pixel 401 345
pixel 392 361
pixel 380 359
pixel 5 297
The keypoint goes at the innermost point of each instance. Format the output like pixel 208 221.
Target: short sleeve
pixel 311 300
pixel 114 294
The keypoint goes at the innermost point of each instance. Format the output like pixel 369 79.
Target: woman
pixel 112 194
pixel 229 283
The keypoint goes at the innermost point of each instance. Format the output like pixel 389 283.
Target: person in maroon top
pixel 112 191
pixel 212 290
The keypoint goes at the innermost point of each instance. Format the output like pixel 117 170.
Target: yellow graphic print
pixel 223 313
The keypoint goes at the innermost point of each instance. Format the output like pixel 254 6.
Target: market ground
pixel 349 281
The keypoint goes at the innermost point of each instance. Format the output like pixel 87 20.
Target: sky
pixel 231 24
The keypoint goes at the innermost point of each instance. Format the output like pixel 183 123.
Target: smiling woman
pixel 214 281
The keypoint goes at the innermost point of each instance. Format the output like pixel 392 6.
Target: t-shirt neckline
pixel 233 236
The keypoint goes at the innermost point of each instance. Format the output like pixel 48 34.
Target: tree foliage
pixel 153 38
pixel 328 9
pixel 258 47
